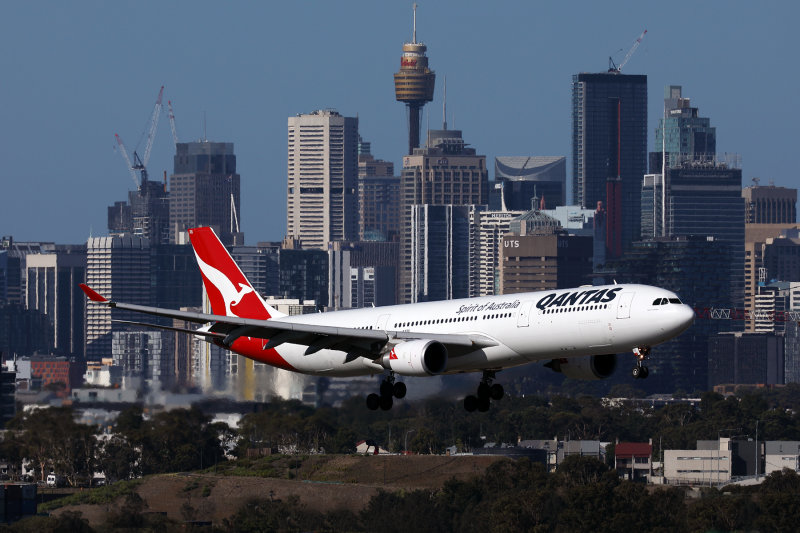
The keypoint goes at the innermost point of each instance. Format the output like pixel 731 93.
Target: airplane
pixel 577 332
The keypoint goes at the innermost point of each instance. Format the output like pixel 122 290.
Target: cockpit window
pixel 674 300
pixel 657 301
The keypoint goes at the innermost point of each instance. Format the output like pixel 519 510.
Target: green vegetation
pixel 97 496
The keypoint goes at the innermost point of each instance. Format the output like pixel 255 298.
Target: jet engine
pixel 416 358
pixel 591 367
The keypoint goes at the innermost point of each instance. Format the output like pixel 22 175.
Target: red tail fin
pixel 226 285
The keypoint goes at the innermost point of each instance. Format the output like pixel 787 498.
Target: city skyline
pixel 81 73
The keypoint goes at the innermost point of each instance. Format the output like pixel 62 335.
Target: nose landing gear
pixel 390 389
pixel 640 371
pixel 486 393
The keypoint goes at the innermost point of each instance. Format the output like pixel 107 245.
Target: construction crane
pixel 172 123
pixel 138 163
pixel 618 68
pixel 127 160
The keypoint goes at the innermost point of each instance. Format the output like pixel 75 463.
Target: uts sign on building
pixel 544 262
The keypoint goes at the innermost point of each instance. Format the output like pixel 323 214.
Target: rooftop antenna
pixel 414 35
pixel 444 106
pixel 205 136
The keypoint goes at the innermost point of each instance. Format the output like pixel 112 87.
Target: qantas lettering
pixel 592 296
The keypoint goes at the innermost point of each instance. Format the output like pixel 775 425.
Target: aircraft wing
pixel 361 342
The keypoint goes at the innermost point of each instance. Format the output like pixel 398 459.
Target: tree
pixel 52 440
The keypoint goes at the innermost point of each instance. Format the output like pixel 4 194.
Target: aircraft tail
pixel 228 289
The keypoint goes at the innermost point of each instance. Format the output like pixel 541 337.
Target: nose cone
pixel 684 317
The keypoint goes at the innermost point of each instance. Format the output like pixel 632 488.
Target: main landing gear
pixel 486 393
pixel 640 371
pixel 390 389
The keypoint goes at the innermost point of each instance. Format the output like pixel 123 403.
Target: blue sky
pixel 76 73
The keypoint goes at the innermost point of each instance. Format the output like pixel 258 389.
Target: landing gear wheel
pixel 496 391
pixel 399 390
pixel 483 404
pixel 645 372
pixel 636 372
pixel 373 402
pixel 386 402
pixel 484 391
pixel 387 389
pixel 470 403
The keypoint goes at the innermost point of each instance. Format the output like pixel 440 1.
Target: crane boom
pixel 127 160
pixel 618 68
pixel 632 50
pixel 151 133
pixel 172 122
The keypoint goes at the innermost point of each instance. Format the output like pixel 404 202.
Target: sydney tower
pixel 413 84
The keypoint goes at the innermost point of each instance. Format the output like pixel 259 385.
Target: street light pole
pixel 405 441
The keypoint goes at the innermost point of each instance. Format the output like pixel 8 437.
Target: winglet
pixel 91 293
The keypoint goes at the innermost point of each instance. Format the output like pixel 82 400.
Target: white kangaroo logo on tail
pixel 223 284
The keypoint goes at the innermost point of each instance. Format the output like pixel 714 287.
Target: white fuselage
pixel 527 327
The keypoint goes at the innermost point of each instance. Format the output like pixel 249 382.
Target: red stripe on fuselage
pixel 251 348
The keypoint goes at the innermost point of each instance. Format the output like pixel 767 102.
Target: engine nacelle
pixel 416 358
pixel 591 367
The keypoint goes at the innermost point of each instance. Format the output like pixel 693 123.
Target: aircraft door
pixel 380 325
pixel 624 306
pixel 524 316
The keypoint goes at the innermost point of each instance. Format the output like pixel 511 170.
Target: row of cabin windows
pixel 579 308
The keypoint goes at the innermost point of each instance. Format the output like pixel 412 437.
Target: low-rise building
pixel 781 454
pixel 633 460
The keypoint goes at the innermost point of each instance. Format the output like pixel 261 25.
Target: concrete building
pixel 702 466
pixel 118 268
pixel 204 190
pixel 445 172
pixel 537 254
pixel 781 454
pixel 322 178
pixel 523 177
pixel 633 460
pixel 541 262
pixel 362 274
pixel 486 233
pixel 770 204
pixel 52 289
pixel 378 197
pixel 146 354
pixel 609 150
pixel 755 271
pixel 146 213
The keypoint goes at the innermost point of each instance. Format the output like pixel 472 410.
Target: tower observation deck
pixel 414 83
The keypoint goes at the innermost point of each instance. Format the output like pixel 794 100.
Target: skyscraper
pixel 770 205
pixel 378 196
pixel 52 288
pixel 445 172
pixel 204 190
pixel 322 178
pixel 681 131
pixel 609 150
pixel 118 268
pixel 440 246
